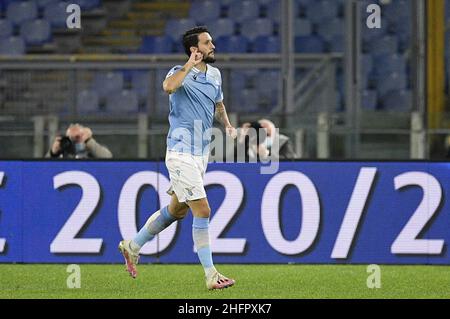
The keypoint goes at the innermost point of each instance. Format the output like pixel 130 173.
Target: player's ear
pixel 193 49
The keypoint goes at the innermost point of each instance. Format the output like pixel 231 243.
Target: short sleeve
pixel 173 70
pixel 219 97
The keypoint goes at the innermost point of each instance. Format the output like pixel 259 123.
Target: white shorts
pixel 186 173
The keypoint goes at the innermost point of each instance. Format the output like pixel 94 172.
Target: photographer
pixel 77 143
pixel 258 139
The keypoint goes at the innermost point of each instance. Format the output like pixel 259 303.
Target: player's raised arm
pixel 173 82
pixel 222 116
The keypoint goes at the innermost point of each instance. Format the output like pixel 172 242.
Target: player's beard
pixel 209 59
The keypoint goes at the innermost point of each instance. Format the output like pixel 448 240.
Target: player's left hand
pixel 231 131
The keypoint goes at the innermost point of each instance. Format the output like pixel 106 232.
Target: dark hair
pixel 190 38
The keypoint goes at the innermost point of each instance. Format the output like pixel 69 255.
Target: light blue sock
pixel 200 235
pixel 159 221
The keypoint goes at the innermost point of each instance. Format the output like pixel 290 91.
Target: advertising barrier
pixel 307 212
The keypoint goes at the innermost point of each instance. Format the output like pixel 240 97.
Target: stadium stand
pixel 36 32
pixel 156 45
pixel 124 101
pixel 106 83
pixel 88 102
pixel 249 26
pixel 6 28
pixel 19 12
pixel 12 46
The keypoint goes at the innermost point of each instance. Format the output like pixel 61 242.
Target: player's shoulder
pixel 176 67
pixel 214 73
pixel 213 70
pixel 173 70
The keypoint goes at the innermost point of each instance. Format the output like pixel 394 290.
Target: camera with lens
pixel 67 146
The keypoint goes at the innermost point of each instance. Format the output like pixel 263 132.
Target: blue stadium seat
pixel 18 12
pixel 447 10
pixel 233 44
pixel 389 63
pixel 12 46
pixel 36 32
pixel 397 10
pixel 43 3
pixel 6 28
pixel 264 2
pixel 87 4
pixel 369 100
pixel 106 83
pixel 301 7
pixel 6 3
pixel 258 27
pixel 393 81
pixel 328 29
pixel 273 10
pixel 125 101
pixel 302 27
pixel 304 3
pixel 141 83
pixel 241 11
pixel 175 28
pixel 322 10
pixel 336 43
pixel 368 34
pixel 156 45
pixel 266 44
pixel 201 11
pixel 178 47
pixel 56 14
pixel 87 102
pixel 384 45
pixel 270 86
pixel 401 25
pixel 404 42
pixel 238 80
pixel 225 7
pixel 309 44
pixel 246 101
pixel 220 27
pixel 397 100
pixel 246 79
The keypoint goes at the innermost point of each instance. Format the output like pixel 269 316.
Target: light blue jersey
pixel 192 108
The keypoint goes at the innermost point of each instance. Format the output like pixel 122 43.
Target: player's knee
pixel 204 212
pixel 183 212
pixel 179 212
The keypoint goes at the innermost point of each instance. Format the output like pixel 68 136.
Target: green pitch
pixel 252 281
